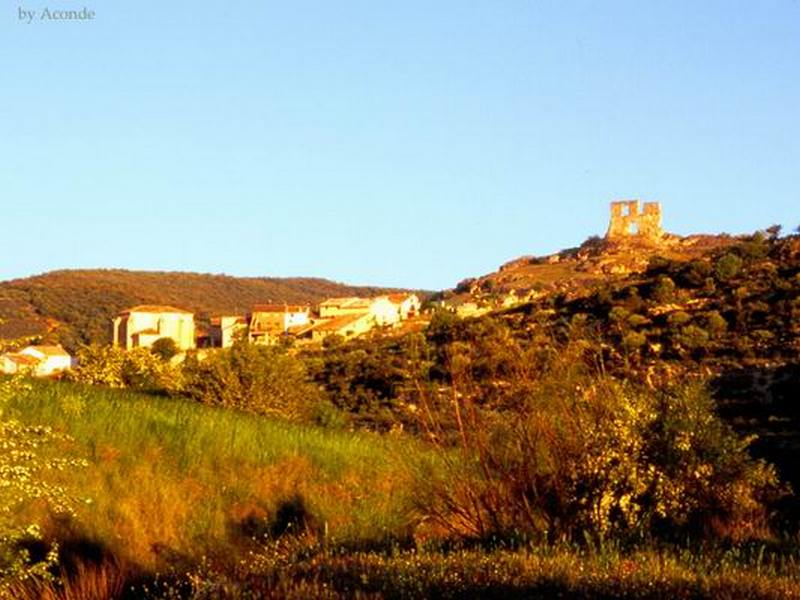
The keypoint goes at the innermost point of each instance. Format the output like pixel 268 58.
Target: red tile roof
pixel 236 319
pixel 300 329
pixel 23 359
pixel 341 322
pixel 280 308
pixel 350 302
pixel 155 308
pixel 400 297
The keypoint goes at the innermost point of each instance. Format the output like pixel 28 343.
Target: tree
pixel 165 348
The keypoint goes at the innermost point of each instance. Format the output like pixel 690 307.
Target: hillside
pixel 76 306
pixel 725 312
pixel 595 261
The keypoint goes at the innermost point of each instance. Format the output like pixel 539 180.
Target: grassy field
pixel 171 477
pixel 189 501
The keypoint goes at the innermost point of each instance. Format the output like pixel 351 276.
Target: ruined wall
pixel 627 221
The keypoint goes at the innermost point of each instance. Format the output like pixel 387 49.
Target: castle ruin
pixel 628 222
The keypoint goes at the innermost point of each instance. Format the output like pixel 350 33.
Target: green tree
pixel 165 348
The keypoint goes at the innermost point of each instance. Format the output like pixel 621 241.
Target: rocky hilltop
pixel 631 243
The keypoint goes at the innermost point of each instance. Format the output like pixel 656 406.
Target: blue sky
pixel 393 142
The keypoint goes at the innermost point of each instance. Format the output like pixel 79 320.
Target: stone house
pixel 347 326
pixel 384 311
pixel 336 307
pixel 52 359
pixel 225 329
pixel 270 321
pixel 140 326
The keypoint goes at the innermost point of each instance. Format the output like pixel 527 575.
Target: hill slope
pixel 594 262
pixel 726 312
pixel 77 306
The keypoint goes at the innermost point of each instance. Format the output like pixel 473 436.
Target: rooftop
pixel 349 302
pixel 49 350
pixel 280 308
pixel 155 308
pixel 341 322
pixel 22 359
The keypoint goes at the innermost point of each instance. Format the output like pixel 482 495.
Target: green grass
pixel 179 489
pixel 168 474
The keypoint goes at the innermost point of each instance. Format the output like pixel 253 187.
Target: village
pixel 141 326
pixel 343 317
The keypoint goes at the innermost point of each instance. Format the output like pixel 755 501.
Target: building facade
pixel 141 326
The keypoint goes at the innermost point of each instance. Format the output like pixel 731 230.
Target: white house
pixel 408 305
pixel 41 361
pixel 384 311
pixel 141 326
pixel 270 321
pixel 226 328
pixel 14 362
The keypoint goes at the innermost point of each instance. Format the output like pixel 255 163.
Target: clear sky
pixel 408 143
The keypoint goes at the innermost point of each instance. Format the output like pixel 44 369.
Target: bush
pixel 727 267
pixel 694 273
pixel 165 348
pixel 664 289
pixel 693 337
pixel 138 369
pixel 259 379
pixel 585 455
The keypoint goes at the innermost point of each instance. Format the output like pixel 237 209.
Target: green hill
pixel 76 306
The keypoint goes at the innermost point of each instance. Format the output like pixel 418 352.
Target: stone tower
pixel 628 222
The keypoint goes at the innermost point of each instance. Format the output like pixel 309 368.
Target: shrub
pixel 99 365
pixel 138 369
pixel 664 289
pixel 727 267
pixel 694 273
pixel 582 454
pixel 677 319
pixel 716 323
pixel 165 348
pixel 260 379
pixel 633 341
pixel 693 337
